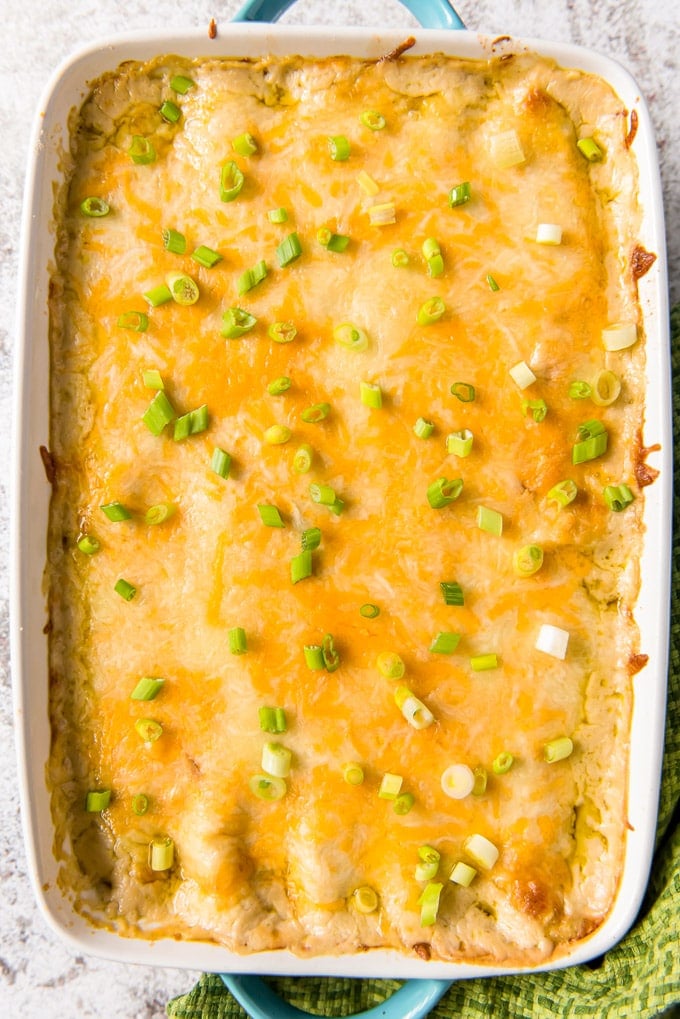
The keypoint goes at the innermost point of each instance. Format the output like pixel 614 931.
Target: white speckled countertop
pixel 39 976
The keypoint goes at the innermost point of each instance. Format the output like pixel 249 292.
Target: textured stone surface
pixel 39 976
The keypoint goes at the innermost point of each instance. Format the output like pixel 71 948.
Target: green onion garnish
pixel 314 657
pixel 268 787
pixel 95 207
pixel 161 853
pixel 147 688
pixel 579 390
pixel 338 243
pixel 480 663
pixel 206 256
pixel 278 386
pixel 116 512
pixel 288 250
pixel 365 899
pixel 276 760
pixel 183 288
pixel 428 863
pixel 323 235
pixel 373 120
pixel 140 804
pixel 231 181
pixel 236 322
pixel 431 311
pixel 270 515
pixel 97 800
pixel 463 391
pixel 279 215
pixel 158 295
pixel 590 149
pixel 152 379
pixel 141 150
pixel 371 394
pixel 353 773
pixel 558 749
pixel 272 719
pixel 282 332
pixel 592 442
pixel 481 851
pixel 367 184
pixel 414 711
pixel 323 495
pixel 339 148
pixel 423 428
pixel 193 423
pixel 238 642
pixel 331 658
pixel 315 413
pixel 527 560
pixel 563 493
pixel 383 214
pixel 433 257
pixel 159 513
pixel 390 786
pixel 148 729
pixel 443 491
pixel 252 277
pixel 390 665
pixel 302 461
pixel 348 335
pixel 400 258
pixel 277 435
pixel 88 544
pixel 369 611
pixel 159 413
pixel 429 903
pixel 125 589
pixel 403 803
pixel 606 388
pixel 310 539
pixel 492 283
pixel 462 874
pixel 181 84
pixel 460 194
pixel 460 443
pixel 137 321
pixel 618 497
pixel 457 781
pixel 479 788
pixel 170 111
pixel 301 566
pixel 220 462
pixel 553 641
pixel 445 643
pixel 452 592
pixel 490 520
pixel 244 144
pixel 537 408
pixel 502 763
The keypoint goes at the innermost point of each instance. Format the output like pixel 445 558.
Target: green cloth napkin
pixel 639 978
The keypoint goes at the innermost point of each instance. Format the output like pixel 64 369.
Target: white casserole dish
pixel 67 90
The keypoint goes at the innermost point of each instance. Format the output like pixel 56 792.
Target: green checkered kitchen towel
pixel 639 978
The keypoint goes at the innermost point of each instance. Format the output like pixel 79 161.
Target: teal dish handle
pixel 413 1000
pixel 430 13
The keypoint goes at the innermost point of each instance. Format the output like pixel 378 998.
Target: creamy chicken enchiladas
pixel 348 477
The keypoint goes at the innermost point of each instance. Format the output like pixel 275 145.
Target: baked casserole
pixel 348 478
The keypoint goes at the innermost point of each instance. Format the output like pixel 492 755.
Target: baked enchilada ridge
pixel 253 873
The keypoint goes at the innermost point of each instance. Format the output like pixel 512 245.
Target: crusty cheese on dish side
pixel 255 873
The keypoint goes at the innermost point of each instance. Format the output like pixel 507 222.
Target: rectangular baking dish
pixel 67 90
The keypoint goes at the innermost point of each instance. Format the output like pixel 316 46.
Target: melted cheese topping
pixel 254 874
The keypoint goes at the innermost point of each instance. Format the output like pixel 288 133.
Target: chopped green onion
pixel 457 781
pixel 619 336
pixel 443 491
pixel 400 258
pixel 490 520
pixel 140 804
pixel 323 495
pixel 481 851
pixel 431 311
pixel 272 719
pixel 137 321
pixel 463 391
pixel 383 214
pixel 270 515
pixel 236 322
pixel 252 277
pixel 579 390
pixel 552 640
pixel 562 493
pixel 310 539
pixel 339 148
pixel 492 283
pixel 549 234
pixel 147 688
pixel 390 786
pixel 479 787
pixel 331 658
pixel 460 443
pixel 88 544
pixel 159 513
pixel 462 874
pixel 423 428
pixel 116 512
pixel 369 611
pixel 606 388
pixel 414 711
pixel 429 903
pixel 428 863
pixel 353 773
pixel 170 111
pixel 282 332
pixel 506 149
pixel 181 84
pixel 302 461
pixel 482 663
pixel 537 408
pixel 125 589
pixel 279 215
pixel 502 763
pixel 452 592
pixel 373 120
pixel 433 256
pixel 593 438
pixel 390 665
pixel 365 899
pixel 403 803
pixel 522 375
pixel 460 194
pixel 161 854
pixel 367 184
pixel 527 560
pixel 338 243
pixel 183 288
pixel 314 657
pixel 445 643
pixel 159 413
pixel 141 150
pixel 158 295
pixel 348 335
pixel 238 642
pixel 277 435
pixel 220 462
pixel 95 207
pixel 590 149
pixel 193 423
pixel 97 800
pixel 152 379
pixel 558 749
pixel 244 144
pixel 231 181
pixel 288 250
pixel 301 566
pixel 276 760
pixel 618 497
pixel 148 729
pixel 278 386
pixel 267 787
pixel 206 257
pixel 323 235
pixel 317 412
